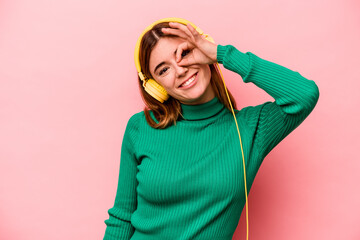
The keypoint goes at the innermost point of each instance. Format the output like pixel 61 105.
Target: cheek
pixel 207 73
pixel 167 82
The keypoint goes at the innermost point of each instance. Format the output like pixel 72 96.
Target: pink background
pixel 68 87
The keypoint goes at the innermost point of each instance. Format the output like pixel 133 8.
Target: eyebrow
pixel 162 63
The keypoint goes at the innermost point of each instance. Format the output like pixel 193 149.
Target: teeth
pixel 188 81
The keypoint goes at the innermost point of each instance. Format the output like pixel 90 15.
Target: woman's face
pixel 189 84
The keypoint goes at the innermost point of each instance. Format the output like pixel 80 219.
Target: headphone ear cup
pixel 156 90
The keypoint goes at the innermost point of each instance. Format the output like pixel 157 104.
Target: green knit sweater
pixel 186 181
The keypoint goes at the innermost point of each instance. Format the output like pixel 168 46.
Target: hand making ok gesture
pixel 198 49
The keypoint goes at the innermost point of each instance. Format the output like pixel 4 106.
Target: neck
pixel 203 110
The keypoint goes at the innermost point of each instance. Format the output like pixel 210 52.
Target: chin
pixel 198 93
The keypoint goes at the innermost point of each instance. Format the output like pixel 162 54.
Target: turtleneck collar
pixel 202 111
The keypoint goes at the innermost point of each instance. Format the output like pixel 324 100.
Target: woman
pixel 181 174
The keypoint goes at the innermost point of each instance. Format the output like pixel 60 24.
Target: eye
pixel 184 53
pixel 163 70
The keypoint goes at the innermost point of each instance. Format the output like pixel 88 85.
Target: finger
pixel 197 37
pixel 173 31
pixel 183 28
pixel 181 48
pixel 187 61
pixel 193 31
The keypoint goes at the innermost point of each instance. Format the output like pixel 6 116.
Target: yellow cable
pixel 246 198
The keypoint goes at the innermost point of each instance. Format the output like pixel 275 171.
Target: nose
pixel 180 70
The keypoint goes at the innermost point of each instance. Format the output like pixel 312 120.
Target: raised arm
pixel 295 96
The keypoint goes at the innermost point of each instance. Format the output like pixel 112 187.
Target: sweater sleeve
pixel 118 225
pixel 295 97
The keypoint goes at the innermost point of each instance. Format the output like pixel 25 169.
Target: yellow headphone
pixel 159 93
pixel 150 85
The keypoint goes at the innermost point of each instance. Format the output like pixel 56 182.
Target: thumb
pixel 187 61
pixel 185 46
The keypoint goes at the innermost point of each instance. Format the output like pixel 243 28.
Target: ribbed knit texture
pixel 186 181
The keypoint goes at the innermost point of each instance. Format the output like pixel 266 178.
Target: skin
pixel 193 56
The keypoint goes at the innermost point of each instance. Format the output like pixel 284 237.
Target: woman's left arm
pixel 295 96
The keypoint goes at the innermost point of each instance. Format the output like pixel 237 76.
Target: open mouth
pixel 189 82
